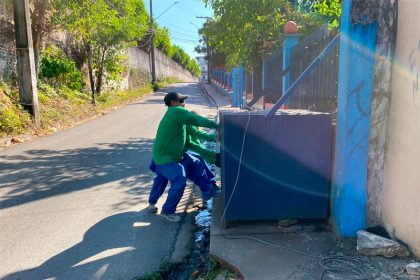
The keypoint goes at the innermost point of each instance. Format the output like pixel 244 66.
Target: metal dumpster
pixel 284 165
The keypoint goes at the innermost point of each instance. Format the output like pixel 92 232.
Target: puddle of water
pixel 198 262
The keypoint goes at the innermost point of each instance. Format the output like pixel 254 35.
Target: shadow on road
pixel 121 246
pixel 39 174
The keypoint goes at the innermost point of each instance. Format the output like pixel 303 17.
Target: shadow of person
pixel 121 246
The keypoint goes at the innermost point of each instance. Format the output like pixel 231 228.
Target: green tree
pixel 327 9
pixel 194 68
pixel 106 28
pixel 331 9
pixel 244 31
pixel 178 54
pixel 57 69
pixel 213 56
pixel 183 59
pixel 163 41
pixel 41 11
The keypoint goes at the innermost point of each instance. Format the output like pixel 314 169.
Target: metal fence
pixel 319 91
pixel 273 76
pixel 262 86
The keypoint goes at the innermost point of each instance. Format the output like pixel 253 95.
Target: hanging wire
pixel 351 268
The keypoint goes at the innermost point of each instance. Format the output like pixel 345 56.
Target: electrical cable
pixel 237 174
pixel 184 8
pixel 190 34
pixel 185 39
pixel 351 268
pixel 147 43
pixel 173 25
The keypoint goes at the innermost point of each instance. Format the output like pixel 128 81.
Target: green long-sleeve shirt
pixel 193 143
pixel 170 139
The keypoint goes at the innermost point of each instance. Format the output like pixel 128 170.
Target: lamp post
pixel 173 4
pixel 152 40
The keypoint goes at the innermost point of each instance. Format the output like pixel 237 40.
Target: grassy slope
pixel 60 108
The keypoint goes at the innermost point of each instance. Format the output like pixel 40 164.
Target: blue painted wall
pixel 356 77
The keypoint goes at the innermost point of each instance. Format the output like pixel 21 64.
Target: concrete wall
pixel 7 41
pixel 138 72
pixel 401 199
pixel 385 48
pixel 139 68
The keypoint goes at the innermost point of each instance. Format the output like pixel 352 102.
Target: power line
pixel 180 34
pixel 147 43
pixel 184 38
pixel 188 35
pixel 116 8
pixel 184 42
pixel 184 8
pixel 173 25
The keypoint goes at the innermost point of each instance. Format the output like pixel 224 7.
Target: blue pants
pixel 191 167
pixel 205 165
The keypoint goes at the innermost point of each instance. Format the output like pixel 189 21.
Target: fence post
pixel 357 61
pixel 290 40
pixel 241 87
pixel 231 80
pixel 264 80
pixel 234 85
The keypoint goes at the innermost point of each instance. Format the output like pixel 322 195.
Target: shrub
pixel 13 120
pixel 155 87
pixel 43 98
pixel 9 121
pixel 46 89
pixel 59 70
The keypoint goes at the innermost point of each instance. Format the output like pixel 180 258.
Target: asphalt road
pixel 73 205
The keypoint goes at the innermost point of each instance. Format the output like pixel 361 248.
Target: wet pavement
pixel 198 263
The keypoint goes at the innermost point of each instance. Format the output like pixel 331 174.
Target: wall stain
pixel 413 60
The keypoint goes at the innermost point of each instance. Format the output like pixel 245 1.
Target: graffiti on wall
pixel 414 59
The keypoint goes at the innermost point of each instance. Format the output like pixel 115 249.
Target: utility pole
pixel 152 43
pixel 28 92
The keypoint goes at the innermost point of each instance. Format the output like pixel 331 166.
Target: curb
pixel 203 89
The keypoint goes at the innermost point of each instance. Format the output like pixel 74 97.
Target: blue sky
pixel 178 20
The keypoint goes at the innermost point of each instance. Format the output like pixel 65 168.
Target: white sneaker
pixel 173 218
pixel 152 208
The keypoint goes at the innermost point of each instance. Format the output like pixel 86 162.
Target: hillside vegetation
pixel 60 108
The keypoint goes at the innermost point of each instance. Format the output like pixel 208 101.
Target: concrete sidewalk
pixel 252 259
pixel 265 250
pixel 219 100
